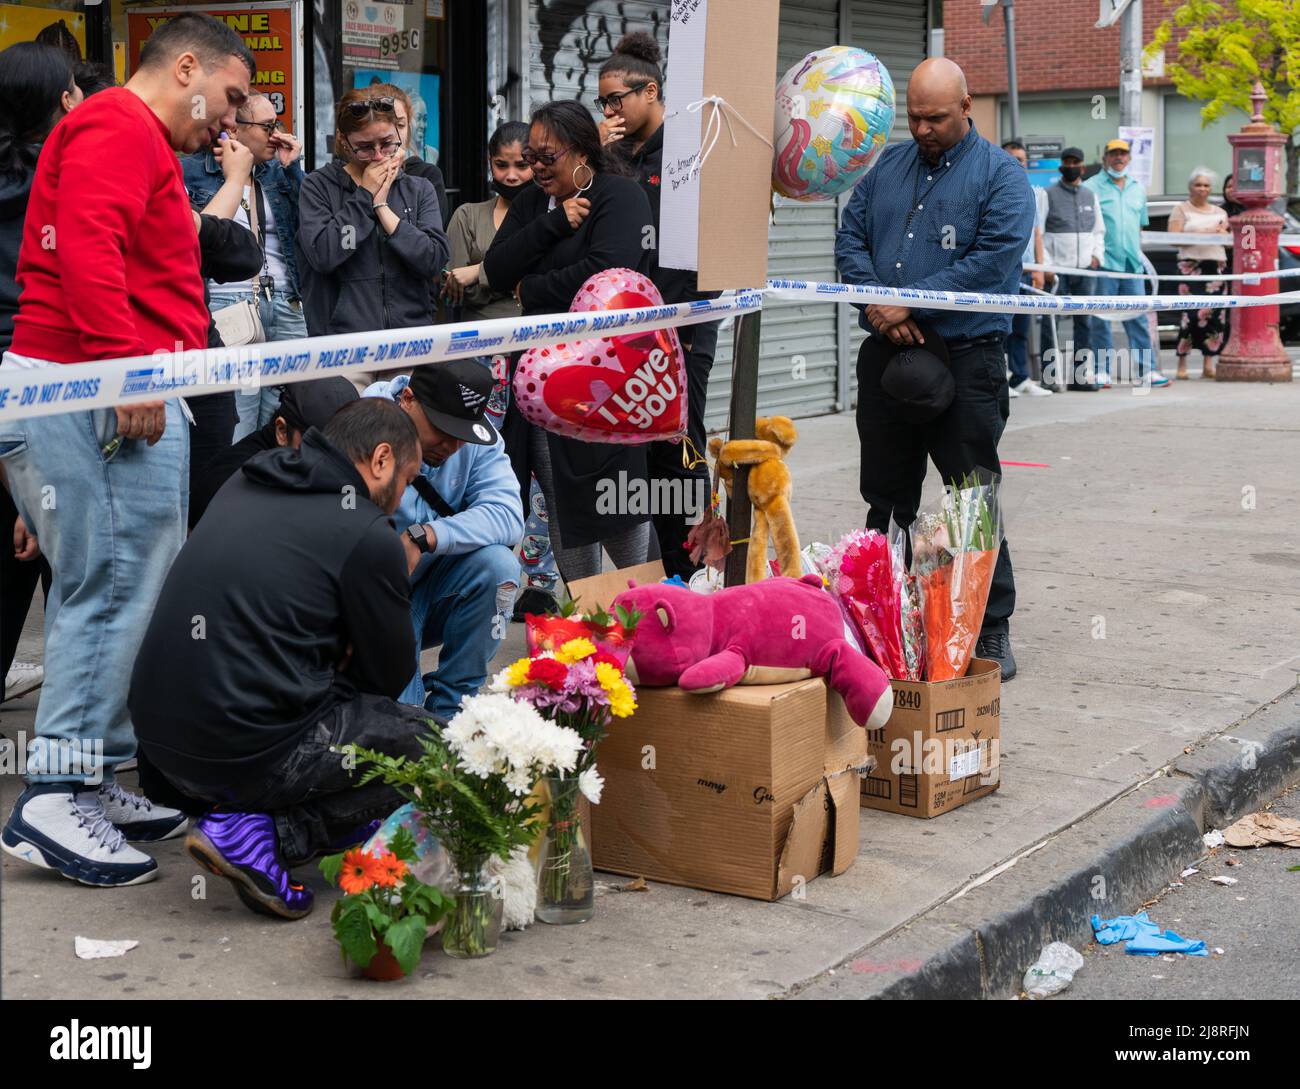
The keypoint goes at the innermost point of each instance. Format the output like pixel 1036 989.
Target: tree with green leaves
pixel 1227 47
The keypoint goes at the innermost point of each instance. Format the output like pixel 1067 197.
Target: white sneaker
pixel 23 677
pixel 57 829
pixel 137 818
pixel 1012 391
pixel 1030 388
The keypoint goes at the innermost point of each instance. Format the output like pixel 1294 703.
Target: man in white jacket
pixel 459 522
pixel 1074 236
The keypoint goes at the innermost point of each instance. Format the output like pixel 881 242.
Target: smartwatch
pixel 419 537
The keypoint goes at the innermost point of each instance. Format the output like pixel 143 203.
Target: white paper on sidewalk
pixel 679 189
pixel 95 948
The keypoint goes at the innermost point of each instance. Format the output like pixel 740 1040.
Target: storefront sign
pixel 269 30
pixel 54 26
pixel 387 36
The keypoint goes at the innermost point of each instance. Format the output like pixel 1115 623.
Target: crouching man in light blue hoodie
pixel 462 519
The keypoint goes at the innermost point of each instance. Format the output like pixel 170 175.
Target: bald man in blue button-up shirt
pixel 947 212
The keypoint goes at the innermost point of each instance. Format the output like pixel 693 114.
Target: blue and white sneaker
pixel 55 828
pixel 137 818
pixel 1158 379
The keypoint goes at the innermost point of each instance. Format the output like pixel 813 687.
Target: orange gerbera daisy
pixel 359 871
pixel 389 870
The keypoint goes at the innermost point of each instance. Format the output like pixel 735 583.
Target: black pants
pixel 18 579
pixel 666 460
pixel 959 440
pixel 211 433
pixel 312 791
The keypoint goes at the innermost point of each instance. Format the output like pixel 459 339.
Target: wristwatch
pixel 419 537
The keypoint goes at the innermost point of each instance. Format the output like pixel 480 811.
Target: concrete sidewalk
pixel 1165 522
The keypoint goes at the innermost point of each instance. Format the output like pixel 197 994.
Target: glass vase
pixel 566 890
pixel 474 922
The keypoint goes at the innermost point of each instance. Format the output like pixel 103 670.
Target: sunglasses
pixel 545 158
pixel 266 126
pixel 615 101
pixel 370 105
pixel 369 151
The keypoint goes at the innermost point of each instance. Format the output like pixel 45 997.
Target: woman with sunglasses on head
pixel 581 217
pixel 370 237
pixel 631 100
pixel 415 165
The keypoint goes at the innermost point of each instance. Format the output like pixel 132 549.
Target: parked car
pixel 1164 256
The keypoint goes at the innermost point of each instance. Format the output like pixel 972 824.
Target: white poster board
pixel 1142 152
pixel 679 191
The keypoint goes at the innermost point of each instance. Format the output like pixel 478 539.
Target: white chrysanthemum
pixel 591 783
pixel 479 757
pixel 519 781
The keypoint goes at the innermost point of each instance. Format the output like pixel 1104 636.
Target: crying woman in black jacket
pixel 581 217
pixel 370 237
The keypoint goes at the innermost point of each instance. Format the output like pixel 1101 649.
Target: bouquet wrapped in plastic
pixel 610 632
pixel 955 544
pixel 867 577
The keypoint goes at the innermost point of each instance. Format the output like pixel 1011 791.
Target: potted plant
pixel 382 918
pixel 470 787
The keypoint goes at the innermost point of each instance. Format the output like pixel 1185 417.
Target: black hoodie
pixel 14 190
pixel 292 565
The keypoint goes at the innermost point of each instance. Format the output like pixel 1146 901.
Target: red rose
pixel 548 671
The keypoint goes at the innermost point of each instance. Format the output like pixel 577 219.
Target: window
pixel 1188 145
pixel 1084 121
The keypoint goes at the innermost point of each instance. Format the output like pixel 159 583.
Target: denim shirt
pixel 203 178
pixel 961 225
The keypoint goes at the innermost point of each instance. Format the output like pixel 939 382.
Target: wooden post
pixel 744 408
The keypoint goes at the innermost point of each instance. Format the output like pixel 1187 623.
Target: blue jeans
pixel 110 530
pixel 1136 328
pixel 1018 345
pixel 464 603
pixel 280 321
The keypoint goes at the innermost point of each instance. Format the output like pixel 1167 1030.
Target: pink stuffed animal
pixel 768 632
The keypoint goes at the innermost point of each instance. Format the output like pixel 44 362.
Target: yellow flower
pixel 608 676
pixel 517 672
pixel 575 650
pixel 621 702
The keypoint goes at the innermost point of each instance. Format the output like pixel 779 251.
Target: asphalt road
pixel 1256 923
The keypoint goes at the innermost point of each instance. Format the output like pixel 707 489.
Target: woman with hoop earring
pixel 583 215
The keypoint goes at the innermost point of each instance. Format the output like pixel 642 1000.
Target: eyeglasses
pixel 615 101
pixel 370 105
pixel 370 151
pixel 545 158
pixel 266 126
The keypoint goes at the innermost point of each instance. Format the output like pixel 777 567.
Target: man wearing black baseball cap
pixel 459 521
pixel 303 405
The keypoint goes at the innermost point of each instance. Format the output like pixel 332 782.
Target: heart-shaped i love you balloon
pixel 623 389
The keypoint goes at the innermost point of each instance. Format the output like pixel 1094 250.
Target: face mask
pixel 509 192
pixel 1072 173
pixel 1117 173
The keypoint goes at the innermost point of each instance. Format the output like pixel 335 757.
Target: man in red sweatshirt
pixel 109 267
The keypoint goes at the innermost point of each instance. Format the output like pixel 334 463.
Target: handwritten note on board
pixel 679 193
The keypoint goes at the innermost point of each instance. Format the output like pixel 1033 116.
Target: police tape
pixel 1186 238
pixel 49 389
pixel 1104 274
pixel 988 303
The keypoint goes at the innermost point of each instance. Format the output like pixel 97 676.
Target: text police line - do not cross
pixel 51 389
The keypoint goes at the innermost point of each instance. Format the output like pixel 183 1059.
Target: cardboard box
pixel 940 748
pixel 747 791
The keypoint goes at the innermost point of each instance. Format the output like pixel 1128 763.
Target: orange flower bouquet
pixel 382 918
pixel 955 545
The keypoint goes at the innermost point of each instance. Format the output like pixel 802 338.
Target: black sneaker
pixel 996 647
pixel 535 601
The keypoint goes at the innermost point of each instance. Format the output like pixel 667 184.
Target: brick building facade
pixel 1068 74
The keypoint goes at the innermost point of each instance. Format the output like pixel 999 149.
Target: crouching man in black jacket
pixel 261 669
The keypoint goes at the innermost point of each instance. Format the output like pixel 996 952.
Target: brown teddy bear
pixel 769 492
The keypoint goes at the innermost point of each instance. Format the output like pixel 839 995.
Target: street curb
pixel 979 944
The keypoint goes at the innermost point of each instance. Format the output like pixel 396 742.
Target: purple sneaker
pixel 242 848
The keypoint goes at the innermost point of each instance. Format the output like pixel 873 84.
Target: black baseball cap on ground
pixel 1072 153
pixel 454 396
pixel 917 377
pixel 313 404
